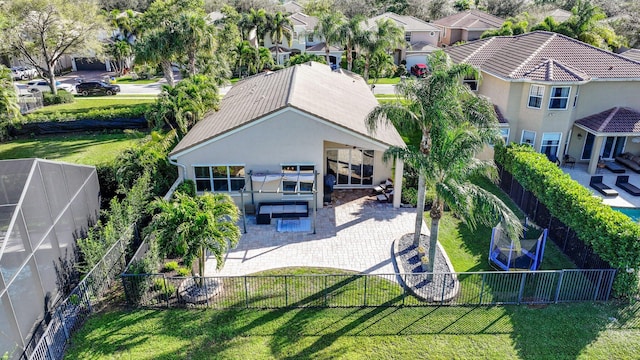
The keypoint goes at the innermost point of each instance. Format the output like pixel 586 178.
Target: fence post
pixel 482 288
pixel 67 334
pixel 559 287
pixel 365 289
pixel 610 286
pixel 166 294
pixel 286 291
pixel 49 350
pixel 404 291
pixel 444 286
pixel 595 295
pixel 522 282
pixel 325 290
pixel 246 293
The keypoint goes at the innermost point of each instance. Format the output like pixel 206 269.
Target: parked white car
pixel 23 72
pixel 43 85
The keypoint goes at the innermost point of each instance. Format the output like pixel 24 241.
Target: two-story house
pixel 560 95
pixel 466 26
pixel 421 38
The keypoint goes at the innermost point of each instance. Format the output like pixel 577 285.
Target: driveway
pixel 353 235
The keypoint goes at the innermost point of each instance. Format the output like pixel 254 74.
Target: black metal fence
pixel 73 311
pixel 366 290
pixel 562 235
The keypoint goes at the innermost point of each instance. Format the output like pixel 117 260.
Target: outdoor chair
pixel 596 183
pixel 622 182
pixel 568 161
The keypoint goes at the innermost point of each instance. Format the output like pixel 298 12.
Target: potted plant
pixel 424 263
pixel 421 251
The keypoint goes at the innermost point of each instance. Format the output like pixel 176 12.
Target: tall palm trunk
pixel 349 56
pixel 277 54
pixel 419 209
pixel 365 74
pixel 327 53
pixel 168 72
pixel 191 64
pixel 436 214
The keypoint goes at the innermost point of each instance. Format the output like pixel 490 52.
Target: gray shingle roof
pixel 471 20
pixel 544 56
pixel 614 120
pixel 342 99
pixel 408 23
pixel 309 22
pixel 633 54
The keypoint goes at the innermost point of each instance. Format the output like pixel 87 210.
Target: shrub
pixel 62 97
pixel 611 234
pixel 183 271
pixel 187 187
pixel 129 112
pixel 163 287
pixel 171 266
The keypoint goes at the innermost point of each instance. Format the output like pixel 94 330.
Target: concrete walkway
pixel 356 235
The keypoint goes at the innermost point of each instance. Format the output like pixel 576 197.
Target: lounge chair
pixel 614 167
pixel 596 183
pixel 622 182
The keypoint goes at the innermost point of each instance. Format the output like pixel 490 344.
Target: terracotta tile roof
pixel 471 20
pixel 342 99
pixel 544 56
pixel 408 23
pixel 614 120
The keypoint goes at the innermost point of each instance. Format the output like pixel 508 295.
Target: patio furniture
pixel 622 181
pixel 568 161
pixel 629 160
pixel 281 209
pixel 614 168
pixel 385 196
pixel 596 183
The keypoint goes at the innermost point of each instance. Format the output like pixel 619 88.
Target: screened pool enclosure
pixel 42 205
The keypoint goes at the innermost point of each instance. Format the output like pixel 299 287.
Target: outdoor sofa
pixel 281 209
pixel 629 160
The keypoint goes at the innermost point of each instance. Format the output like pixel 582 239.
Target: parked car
pixel 23 72
pixel 419 70
pixel 43 85
pixel 97 87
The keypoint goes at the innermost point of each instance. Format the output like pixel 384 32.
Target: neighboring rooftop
pixel 342 99
pixel 544 56
pixel 633 54
pixel 292 7
pixel 559 15
pixel 471 20
pixel 408 23
pixel 300 19
pixel 320 47
pixel 615 120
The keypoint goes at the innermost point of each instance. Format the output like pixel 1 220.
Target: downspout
pixel 184 168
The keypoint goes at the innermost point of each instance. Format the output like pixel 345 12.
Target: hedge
pixel 128 112
pixel 611 234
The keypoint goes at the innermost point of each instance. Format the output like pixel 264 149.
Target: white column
pixel 397 183
pixel 595 154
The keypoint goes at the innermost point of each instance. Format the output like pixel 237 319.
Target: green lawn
pixel 88 149
pixel 98 102
pixel 127 80
pixel 566 331
pixel 389 81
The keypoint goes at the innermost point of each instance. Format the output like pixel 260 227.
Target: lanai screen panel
pixel 42 204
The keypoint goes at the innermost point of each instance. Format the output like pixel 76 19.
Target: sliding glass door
pixel 353 167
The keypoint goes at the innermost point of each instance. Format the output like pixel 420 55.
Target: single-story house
pixel 278 134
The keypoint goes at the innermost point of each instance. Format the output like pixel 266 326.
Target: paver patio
pixel 354 234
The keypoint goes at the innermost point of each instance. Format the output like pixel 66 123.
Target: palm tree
pixel 189 226
pixel 158 47
pixel 257 19
pixel 328 28
pixel 281 29
pixel 246 55
pixel 429 105
pixel 381 38
pixel 194 36
pixel 265 59
pixel 350 33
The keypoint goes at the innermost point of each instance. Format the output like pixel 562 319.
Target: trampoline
pixel 517 254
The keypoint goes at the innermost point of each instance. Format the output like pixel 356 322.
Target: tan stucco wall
pixel 471 35
pixel 289 137
pixel 425 36
pixel 598 96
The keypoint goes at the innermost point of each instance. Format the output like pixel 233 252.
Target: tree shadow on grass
pixel 55 148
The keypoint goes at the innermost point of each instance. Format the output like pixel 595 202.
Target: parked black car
pixel 96 87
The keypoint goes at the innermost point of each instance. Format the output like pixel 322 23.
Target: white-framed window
pixel 549 144
pixel 407 36
pixel 219 178
pixel 528 137
pixel 559 97
pixel 536 92
pixel 297 178
pixel 504 134
pixel 310 37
